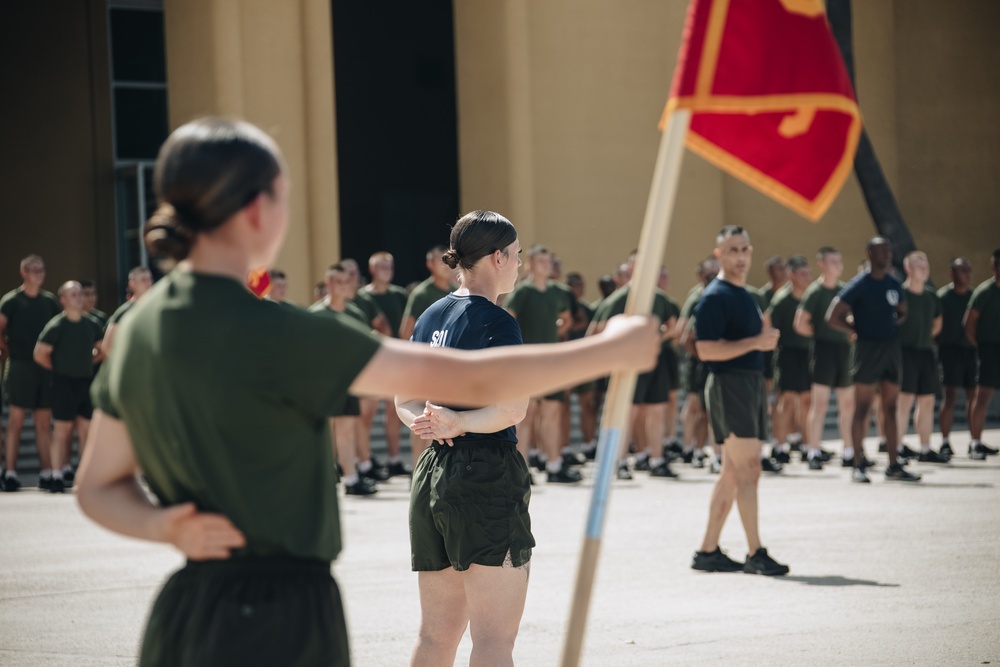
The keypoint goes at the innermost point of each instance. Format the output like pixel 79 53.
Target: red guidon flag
pixel 770 98
pixel 259 282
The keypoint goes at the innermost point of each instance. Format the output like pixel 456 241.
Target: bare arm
pixel 380 324
pixel 109 493
pixel 901 310
pixel 43 355
pixel 936 326
pixel 498 375
pixel 434 422
pixel 971 322
pixel 4 349
pixel 108 337
pixel 563 324
pixel 724 350
pixel 803 324
pixel 836 316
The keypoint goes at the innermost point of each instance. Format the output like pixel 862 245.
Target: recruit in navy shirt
pixel 728 312
pixel 873 303
pixel 468 323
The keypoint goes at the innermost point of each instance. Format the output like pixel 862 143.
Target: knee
pixel 441 633
pixel 746 473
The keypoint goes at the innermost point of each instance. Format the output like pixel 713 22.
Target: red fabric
pixel 259 282
pixel 772 60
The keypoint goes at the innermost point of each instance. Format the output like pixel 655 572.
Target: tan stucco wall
pixel 272 64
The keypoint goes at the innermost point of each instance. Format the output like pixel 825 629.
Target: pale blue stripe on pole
pixel 607 450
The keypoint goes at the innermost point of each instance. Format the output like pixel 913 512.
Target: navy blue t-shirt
pixel 728 312
pixel 468 323
pixel 873 303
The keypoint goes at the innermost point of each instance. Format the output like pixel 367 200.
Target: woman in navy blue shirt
pixel 470 533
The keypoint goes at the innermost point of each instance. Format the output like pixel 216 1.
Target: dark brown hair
pixel 477 235
pixel 207 171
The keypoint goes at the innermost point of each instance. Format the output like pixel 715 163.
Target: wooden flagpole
pixel 614 420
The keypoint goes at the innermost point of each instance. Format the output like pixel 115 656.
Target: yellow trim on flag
pixel 710 48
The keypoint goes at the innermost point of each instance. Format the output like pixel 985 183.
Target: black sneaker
pixel 537 461
pixel 398 469
pixel 623 472
pixel 930 456
pixel 641 463
pixel 990 451
pixel 906 452
pixel 715 467
pixel 846 463
pixel 815 463
pixel 761 563
pixel 57 485
pixel 770 465
pixel 566 475
pixel 883 447
pixel 688 456
pixel 859 476
pixel 44 483
pixel 897 474
pixel 714 561
pixel 825 455
pixel 698 460
pixel 674 446
pixel 573 459
pixel 11 484
pixel 662 470
pixel 977 452
pixel 362 487
pixel 375 473
pixel 946 449
pixel 69 476
pixel 590 453
pixel 781 456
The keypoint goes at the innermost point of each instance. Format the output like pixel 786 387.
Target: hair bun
pixel 166 235
pixel 451 258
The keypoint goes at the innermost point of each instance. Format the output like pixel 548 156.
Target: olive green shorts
pixel 469 505
pixel 737 404
pixel 28 385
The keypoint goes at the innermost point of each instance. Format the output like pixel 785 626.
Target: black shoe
pixel 794 442
pixel 858 476
pixel 375 473
pixel 883 447
pixel 990 451
pixel 674 446
pixel 781 456
pixel 825 455
pixel 698 460
pixel 846 463
pixel 537 462
pixel 714 561
pixel 897 474
pixel 590 453
pixel 566 475
pixel 398 469
pixel 11 484
pixel 930 456
pixel 662 470
pixel 815 463
pixel 770 465
pixel 715 467
pixel 641 464
pixel 946 450
pixel 761 563
pixel 687 457
pixel 57 485
pixel 907 453
pixel 362 487
pixel 44 483
pixel 623 472
pixel 573 459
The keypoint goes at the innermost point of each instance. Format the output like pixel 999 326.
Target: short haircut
pixel 436 250
pixel 774 261
pixel 914 255
pixel 86 283
pixel 276 274
pixel 378 256
pixel 574 277
pixel 538 249
pixel 876 240
pixel 67 286
pixel 31 259
pixel 826 250
pixel 796 262
pixel 336 268
pixel 730 230
pixel 137 271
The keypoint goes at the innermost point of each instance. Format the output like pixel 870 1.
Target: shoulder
pixel 8 299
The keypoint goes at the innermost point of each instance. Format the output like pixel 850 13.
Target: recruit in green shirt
pixel 664 309
pixel 351 311
pixel 119 313
pixel 986 301
pixel 953 307
pixel 26 317
pixel 537 311
pixel 816 301
pixel 72 344
pixel 421 298
pixel 225 397
pixel 367 305
pixel 782 310
pixel 393 305
pixel 921 309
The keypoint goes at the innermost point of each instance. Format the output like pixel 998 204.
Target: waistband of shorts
pixel 258 565
pixel 476 442
pixel 738 371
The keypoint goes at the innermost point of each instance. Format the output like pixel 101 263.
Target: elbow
pixel 517 411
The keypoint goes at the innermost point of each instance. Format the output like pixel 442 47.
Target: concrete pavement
pixel 889 573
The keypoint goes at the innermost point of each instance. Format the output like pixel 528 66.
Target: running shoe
pixel 897 474
pixel 673 445
pixel 590 452
pixel 714 561
pixel 781 456
pixel 770 465
pixel 11 484
pixel 761 563
pixel 930 456
pixel 641 463
pixel 859 476
pixel 715 467
pixel 883 446
pixel 573 459
pixel 57 485
pixel 946 449
pixel 977 452
pixel 908 453
pixel 398 469
pixel 816 463
pixel 566 475
pixel 623 472
pixel 698 459
pixel 662 470
pixel 990 451
pixel 362 487
pixel 375 473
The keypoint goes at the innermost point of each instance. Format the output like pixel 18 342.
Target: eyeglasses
pixel 35 269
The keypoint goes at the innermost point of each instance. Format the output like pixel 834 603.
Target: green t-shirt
pixel 351 311
pixel 100 316
pixel 762 295
pixel 421 298
pixel 694 295
pixel 816 301
pixel 393 305
pixel 953 307
pixel 26 317
pixel 986 301
pixel 72 344
pixel 225 397
pixel 921 309
pixel 537 311
pixel 782 310
pixel 119 313
pixel 663 308
pixel 367 305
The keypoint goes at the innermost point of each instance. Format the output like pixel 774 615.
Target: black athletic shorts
pixel 695 376
pixel 469 505
pixel 920 372
pixel 71 398
pixel 736 401
pixel 989 365
pixel 654 387
pixel 830 364
pixel 28 385
pixel 260 611
pixel 673 367
pixel 792 370
pixel 769 365
pixel 350 408
pixel 877 361
pixel 958 365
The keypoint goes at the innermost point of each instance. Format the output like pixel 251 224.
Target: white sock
pixel 57 474
pixel 44 474
pixel 567 450
pixel 350 480
pixel 974 442
pixel 925 448
pixel 12 474
pixel 642 456
pixel 365 466
pixel 658 461
pixel 394 459
pixel 849 453
pixel 67 469
pixel 553 466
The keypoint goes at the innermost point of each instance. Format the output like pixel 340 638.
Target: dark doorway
pixel 397 137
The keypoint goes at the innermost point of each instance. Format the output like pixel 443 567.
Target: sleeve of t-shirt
pixel 50 333
pixel 851 291
pixel 505 332
pixel 7 305
pixel 978 300
pixel 100 392
pixel 514 299
pixel 938 307
pixel 710 318
pixel 321 358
